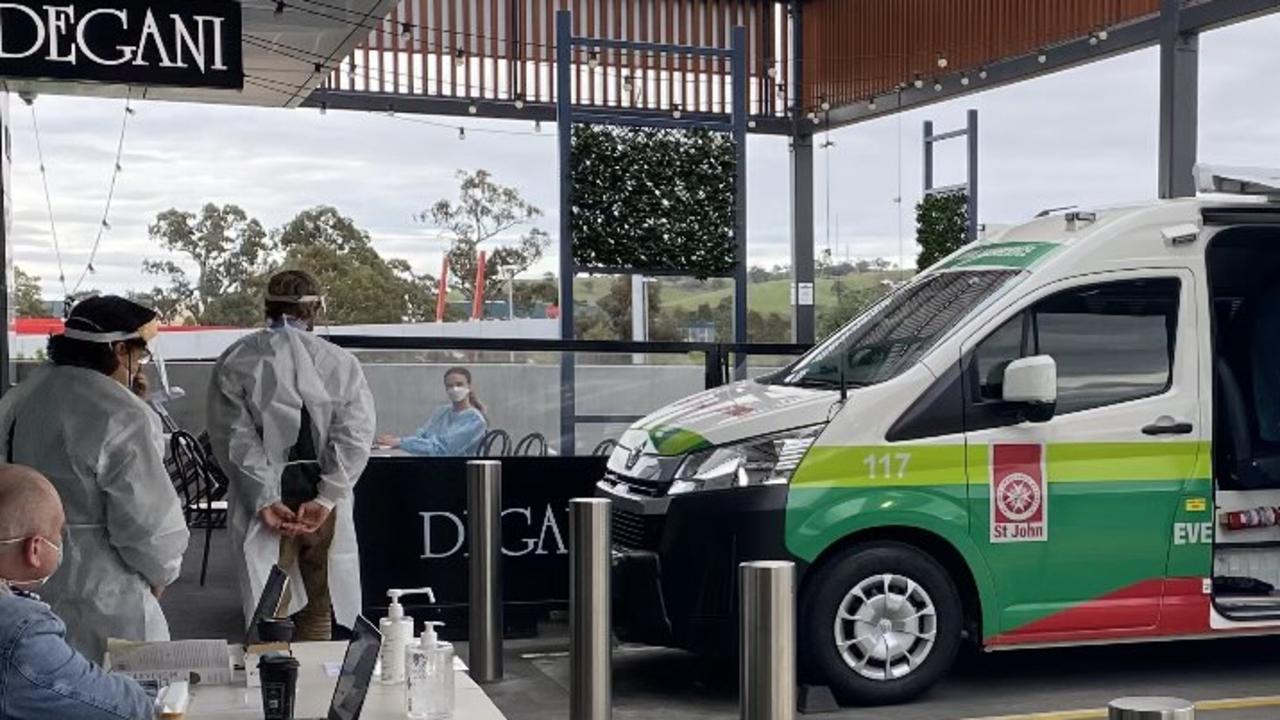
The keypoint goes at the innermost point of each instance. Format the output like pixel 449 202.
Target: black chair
pixel 605 447
pixel 495 443
pixel 532 444
pixel 198 489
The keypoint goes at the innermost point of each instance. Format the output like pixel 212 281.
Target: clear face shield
pixel 319 310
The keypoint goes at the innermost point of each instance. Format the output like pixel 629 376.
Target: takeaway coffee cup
pixel 275 630
pixel 279 685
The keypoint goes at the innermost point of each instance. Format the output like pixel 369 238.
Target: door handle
pixel 1177 428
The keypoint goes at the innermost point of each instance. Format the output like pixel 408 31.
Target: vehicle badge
pixel 634 457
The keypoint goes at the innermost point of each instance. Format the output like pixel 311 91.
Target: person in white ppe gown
pixel 291 420
pixel 77 422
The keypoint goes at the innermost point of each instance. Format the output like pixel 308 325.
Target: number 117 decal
pixel 887 465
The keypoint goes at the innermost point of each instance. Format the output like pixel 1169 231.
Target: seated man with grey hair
pixel 41 676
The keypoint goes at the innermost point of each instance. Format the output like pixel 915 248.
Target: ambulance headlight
pixel 765 460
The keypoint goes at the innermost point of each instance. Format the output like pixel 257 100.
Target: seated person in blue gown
pixel 454 429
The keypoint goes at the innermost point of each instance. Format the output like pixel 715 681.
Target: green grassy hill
pixel 763 297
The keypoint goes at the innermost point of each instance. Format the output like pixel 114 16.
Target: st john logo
pixel 1019 494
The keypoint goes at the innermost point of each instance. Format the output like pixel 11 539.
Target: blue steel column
pixel 1179 103
pixel 971 192
pixel 564 126
pixel 738 72
pixel 803 325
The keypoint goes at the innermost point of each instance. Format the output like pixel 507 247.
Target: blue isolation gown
pixel 447 432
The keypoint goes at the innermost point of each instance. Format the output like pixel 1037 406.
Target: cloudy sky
pixel 1086 137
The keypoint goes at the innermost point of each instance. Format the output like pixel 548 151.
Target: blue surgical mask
pixel 40 581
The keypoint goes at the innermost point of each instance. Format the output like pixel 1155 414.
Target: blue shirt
pixel 447 432
pixel 41 677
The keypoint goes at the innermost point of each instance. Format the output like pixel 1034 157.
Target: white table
pixel 315 689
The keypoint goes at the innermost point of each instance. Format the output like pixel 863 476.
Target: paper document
pixel 203 662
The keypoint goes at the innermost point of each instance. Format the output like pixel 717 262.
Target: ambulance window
pixel 991 357
pixel 1112 342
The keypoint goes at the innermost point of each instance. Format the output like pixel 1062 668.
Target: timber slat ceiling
pixel 856 49
pixel 853 50
pixel 504 50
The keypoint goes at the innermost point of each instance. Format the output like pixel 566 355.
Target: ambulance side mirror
pixel 1033 383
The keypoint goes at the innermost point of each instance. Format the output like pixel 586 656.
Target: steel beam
pixel 1179 103
pixel 1207 15
pixel 971 192
pixel 506 110
pixel 803 327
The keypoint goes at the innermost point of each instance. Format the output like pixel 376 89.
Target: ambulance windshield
pixel 896 332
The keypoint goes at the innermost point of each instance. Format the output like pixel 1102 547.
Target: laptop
pixel 268 603
pixel 357 672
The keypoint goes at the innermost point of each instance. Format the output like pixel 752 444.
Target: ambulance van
pixel 1065 434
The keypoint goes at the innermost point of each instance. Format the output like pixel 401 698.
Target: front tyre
pixel 881 623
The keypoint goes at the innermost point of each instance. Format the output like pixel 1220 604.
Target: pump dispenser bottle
pixel 429 689
pixel 397 633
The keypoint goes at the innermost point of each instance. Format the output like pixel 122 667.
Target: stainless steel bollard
pixel 1151 708
pixel 484 533
pixel 590 617
pixel 767 641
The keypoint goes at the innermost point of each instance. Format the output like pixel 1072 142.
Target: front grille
pixel 636 486
pixel 633 531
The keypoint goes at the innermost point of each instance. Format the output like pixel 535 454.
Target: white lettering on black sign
pixel 444 533
pixel 195 43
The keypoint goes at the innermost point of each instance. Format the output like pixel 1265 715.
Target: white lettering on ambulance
pixel 1192 533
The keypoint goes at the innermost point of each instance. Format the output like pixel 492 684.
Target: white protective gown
pixel 259 387
pixel 102 448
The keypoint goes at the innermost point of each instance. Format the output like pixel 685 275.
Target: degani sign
pixel 191 43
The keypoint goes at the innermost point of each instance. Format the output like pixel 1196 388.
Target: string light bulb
pixel 519 103
pixel 825 105
pixel 675 112
pixel 772 72
pixel 593 60
pixel 460 57
pixel 279 8
pixel 324 108
pixel 751 124
pixel 918 82
pixel 130 111
pixel 537 126
pixel 871 105
pixel 1042 58
pixel 1103 35
pixel 982 73
pixel 406 29
pixel 106 225
pixel 964 80
pixel 942 61
pixel 937 87
pixel 462 133
pixel 472 109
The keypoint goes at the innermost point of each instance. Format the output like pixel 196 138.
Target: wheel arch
pixel 957 566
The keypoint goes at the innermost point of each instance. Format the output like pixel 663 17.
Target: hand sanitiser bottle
pixel 429 692
pixel 397 634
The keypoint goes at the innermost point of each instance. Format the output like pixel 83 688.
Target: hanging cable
pixel 48 197
pixel 116 169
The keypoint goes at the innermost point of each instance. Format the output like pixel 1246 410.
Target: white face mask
pixel 458 393
pixel 40 581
